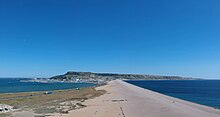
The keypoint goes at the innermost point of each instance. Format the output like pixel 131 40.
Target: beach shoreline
pixel 44 103
pixel 126 100
pixel 118 99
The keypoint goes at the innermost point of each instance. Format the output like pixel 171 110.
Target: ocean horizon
pixel 204 92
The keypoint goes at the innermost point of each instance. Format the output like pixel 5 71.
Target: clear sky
pixel 42 38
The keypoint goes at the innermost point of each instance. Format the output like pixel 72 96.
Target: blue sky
pixel 42 38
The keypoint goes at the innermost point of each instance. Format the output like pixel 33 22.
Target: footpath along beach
pixel 125 100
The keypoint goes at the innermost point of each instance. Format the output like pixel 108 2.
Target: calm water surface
pixel 13 85
pixel 205 92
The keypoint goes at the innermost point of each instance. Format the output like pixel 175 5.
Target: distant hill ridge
pixel 92 77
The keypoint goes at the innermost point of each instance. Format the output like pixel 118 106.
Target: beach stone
pixel 5 108
pixel 65 111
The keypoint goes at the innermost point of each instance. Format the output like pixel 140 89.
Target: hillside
pixel 103 77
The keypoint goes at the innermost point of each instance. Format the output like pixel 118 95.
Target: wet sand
pixel 126 100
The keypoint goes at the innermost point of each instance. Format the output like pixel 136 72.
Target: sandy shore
pixel 126 100
pixel 39 104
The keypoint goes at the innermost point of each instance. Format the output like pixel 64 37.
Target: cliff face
pixel 89 76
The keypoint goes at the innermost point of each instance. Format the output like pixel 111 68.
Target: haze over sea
pixel 14 85
pixel 205 92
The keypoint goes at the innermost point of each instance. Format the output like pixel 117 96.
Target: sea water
pixel 13 85
pixel 205 92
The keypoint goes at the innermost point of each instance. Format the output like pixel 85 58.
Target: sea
pixel 14 85
pixel 205 92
